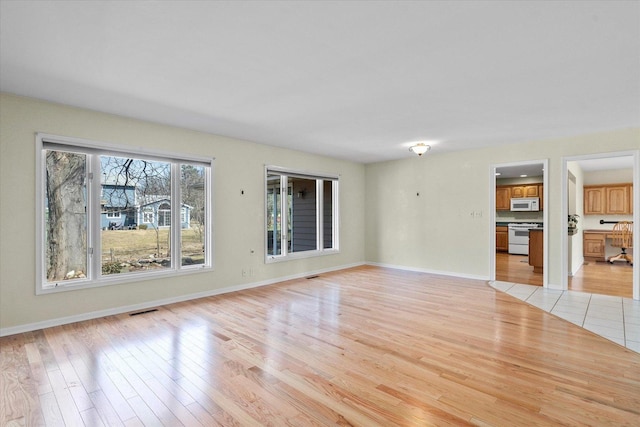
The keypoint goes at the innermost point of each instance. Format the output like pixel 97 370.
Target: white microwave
pixel 525 204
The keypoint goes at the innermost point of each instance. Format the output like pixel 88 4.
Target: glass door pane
pixel 274 215
pixel 304 213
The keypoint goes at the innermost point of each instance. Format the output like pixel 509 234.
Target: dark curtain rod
pixel 602 221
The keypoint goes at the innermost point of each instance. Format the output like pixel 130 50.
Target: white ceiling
pixel 354 80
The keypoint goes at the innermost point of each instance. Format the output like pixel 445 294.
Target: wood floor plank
pixel 363 346
pixel 91 417
pixel 144 413
pixel 71 381
pixel 64 399
pixel 19 393
pixel 104 408
pixel 38 371
pixel 52 413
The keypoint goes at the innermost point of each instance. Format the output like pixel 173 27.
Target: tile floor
pixel 614 318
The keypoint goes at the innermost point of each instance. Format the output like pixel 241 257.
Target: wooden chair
pixel 623 239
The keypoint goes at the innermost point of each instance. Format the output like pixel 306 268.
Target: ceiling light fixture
pixel 420 148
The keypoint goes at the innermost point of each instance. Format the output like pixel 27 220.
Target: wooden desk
pixel 594 242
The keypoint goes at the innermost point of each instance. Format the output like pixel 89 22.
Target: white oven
pixel 519 237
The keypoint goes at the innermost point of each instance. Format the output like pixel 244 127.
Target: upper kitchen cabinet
pixel 612 199
pixel 593 200
pixel 540 193
pixel 617 200
pixel 519 191
pixel 503 198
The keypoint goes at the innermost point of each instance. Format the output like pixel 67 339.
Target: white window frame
pixel 285 173
pixel 93 150
pixel 114 215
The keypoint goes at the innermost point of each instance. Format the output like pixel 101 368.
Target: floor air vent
pixel 143 312
pixel 312 277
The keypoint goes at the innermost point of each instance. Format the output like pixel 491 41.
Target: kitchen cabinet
pixel 519 191
pixel 540 194
pixel 536 249
pixel 613 199
pixel 593 200
pixel 617 200
pixel 502 239
pixel 503 198
pixel 593 245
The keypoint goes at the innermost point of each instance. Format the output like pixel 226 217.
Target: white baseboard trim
pixel 426 270
pixel 155 303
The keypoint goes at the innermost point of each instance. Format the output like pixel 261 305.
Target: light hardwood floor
pixel 365 346
pixel 593 277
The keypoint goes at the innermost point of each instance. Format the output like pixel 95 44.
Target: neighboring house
pixel 118 206
pixel 155 211
pixel 122 208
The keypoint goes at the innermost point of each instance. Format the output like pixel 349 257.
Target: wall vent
pixel 143 312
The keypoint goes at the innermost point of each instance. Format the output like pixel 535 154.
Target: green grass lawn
pixel 132 245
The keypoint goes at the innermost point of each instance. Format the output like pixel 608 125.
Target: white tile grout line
pixel 587 310
pixel 556 303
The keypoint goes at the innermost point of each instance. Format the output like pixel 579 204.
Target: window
pixel 164 215
pixel 94 196
pixel 301 214
pixel 147 216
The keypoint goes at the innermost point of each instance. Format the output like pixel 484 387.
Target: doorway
pixel 516 182
pixel 582 270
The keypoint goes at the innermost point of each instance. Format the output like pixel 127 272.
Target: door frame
pixel 636 212
pixel 545 216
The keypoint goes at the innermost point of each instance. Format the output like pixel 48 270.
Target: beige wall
pixel 614 176
pixel 436 230
pixel 519 181
pixel 238 219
